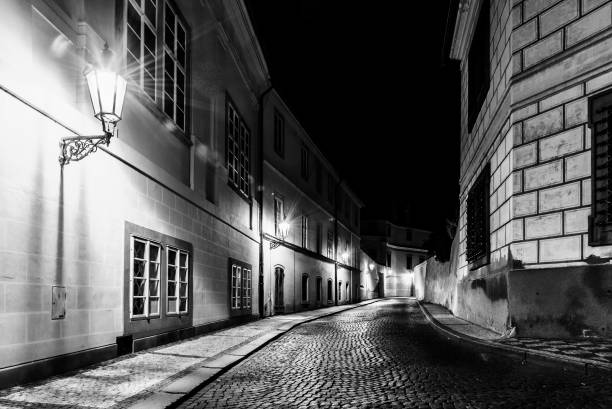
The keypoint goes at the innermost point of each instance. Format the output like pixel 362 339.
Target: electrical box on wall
pixel 58 303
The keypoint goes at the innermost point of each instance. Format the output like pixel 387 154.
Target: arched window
pixel 330 289
pixel 319 288
pixel 279 282
pixel 339 290
pixel 348 292
pixel 304 288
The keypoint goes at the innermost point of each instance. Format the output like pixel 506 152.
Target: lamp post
pixel 107 91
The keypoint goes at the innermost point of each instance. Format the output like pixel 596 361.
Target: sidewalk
pixel 158 377
pixel 592 351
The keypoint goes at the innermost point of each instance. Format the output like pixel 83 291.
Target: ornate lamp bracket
pixel 75 148
pixel 274 244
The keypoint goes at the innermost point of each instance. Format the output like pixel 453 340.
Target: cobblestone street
pixel 386 355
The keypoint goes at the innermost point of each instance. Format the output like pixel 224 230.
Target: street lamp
pixel 283 232
pixel 107 92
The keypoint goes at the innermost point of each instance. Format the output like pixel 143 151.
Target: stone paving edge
pixel 542 357
pixel 181 389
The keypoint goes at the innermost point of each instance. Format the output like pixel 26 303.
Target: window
pixel 339 290
pixel 409 261
pixel 144 277
pixel 478 66
pixel 600 122
pixel 279 214
pixel 238 148
pixel 388 264
pixel 279 134
pixel 240 291
pixel 331 188
pixel 305 231
pixel 279 282
pixel 175 66
pixel 178 281
pixel 348 292
pixel 305 168
pixel 304 288
pixel 330 288
pixel 319 238
pixel 478 220
pixel 318 176
pixel 142 44
pixel 319 288
pixel 330 243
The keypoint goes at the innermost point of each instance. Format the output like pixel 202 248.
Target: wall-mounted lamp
pixel 107 92
pixel 283 232
pixel 371 266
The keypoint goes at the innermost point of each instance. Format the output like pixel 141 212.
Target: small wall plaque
pixel 58 303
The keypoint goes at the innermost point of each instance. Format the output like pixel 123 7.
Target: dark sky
pixel 368 83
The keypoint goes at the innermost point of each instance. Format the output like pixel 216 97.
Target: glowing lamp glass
pixel 107 92
pixel 283 229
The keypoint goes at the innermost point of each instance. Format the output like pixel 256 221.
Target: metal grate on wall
pixel 600 122
pixel 478 219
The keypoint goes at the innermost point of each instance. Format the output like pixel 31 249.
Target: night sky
pixel 369 83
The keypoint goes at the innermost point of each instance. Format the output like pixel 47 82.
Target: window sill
pixel 142 318
pixel 248 199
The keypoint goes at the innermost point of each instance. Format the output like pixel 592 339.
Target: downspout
pixel 260 193
pixel 336 240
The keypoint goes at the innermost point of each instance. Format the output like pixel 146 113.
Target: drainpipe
pixel 336 240
pixel 260 193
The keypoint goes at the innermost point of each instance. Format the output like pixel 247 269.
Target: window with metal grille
pixel 175 65
pixel 478 220
pixel 478 66
pixel 142 44
pixel 238 148
pixel 279 134
pixel 600 122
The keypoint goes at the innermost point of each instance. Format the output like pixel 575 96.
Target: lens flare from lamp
pixel 283 229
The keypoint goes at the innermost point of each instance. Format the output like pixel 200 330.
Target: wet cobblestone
pixel 386 355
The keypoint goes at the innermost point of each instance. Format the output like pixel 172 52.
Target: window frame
pixel 305 162
pixel 279 290
pixel 479 79
pixel 178 265
pixel 279 211
pixel 179 20
pixel 305 223
pixel 319 292
pixel 330 243
pixel 144 22
pixel 240 290
pixel 330 291
pixel 305 289
pixel 239 169
pixel 146 278
pixel 279 133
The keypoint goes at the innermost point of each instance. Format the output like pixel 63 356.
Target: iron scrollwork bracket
pixel 274 244
pixel 75 148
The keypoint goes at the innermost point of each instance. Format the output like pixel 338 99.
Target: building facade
pixel 311 241
pixel 155 237
pixel 399 249
pixel 534 243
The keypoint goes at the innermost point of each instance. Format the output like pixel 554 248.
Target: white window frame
pixel 238 150
pixel 236 287
pixel 146 277
pixel 246 287
pixel 144 22
pixel 305 231
pixel 176 65
pixel 178 265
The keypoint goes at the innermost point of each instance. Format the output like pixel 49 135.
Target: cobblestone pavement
pixel 596 349
pixel 386 355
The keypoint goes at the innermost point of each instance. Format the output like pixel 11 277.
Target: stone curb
pixel 181 389
pixel 542 357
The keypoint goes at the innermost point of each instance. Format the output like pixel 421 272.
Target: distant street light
pixel 107 91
